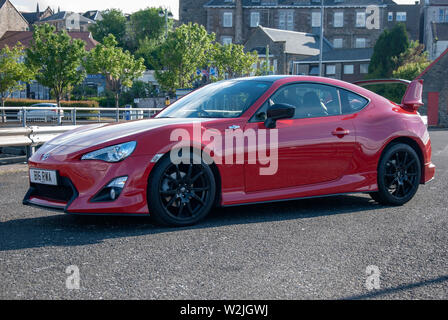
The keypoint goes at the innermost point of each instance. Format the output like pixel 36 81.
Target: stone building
pixel 66 20
pixel 33 17
pixel 346 22
pixel 285 47
pixel 10 18
pixel 349 65
pixel 193 11
pixel 435 22
pixel 435 91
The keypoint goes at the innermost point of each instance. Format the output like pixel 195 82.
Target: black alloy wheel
pixel 399 174
pixel 181 194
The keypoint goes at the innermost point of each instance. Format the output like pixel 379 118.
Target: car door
pixel 316 146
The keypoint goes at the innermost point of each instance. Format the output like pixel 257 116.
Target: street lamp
pixel 321 73
pixel 165 13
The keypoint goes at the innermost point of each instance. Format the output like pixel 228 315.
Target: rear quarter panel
pixel 382 122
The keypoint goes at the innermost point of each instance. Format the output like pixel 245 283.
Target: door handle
pixel 340 133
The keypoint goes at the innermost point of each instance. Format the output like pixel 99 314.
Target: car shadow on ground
pixel 66 230
pixel 379 294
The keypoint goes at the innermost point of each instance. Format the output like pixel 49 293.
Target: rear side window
pixel 351 102
pixel 313 100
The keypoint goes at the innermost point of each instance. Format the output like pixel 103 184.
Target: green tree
pixel 146 24
pixel 56 59
pixel 265 67
pixel 389 45
pixel 118 66
pixel 148 50
pixel 186 49
pixel 231 59
pixel 13 72
pixel 410 64
pixel 113 22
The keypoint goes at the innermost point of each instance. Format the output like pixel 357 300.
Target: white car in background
pixel 42 114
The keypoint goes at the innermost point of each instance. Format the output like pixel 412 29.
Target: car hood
pixel 89 136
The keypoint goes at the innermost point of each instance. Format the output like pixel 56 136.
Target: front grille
pixel 65 191
pixel 60 193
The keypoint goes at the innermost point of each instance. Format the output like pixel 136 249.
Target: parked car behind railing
pixel 46 115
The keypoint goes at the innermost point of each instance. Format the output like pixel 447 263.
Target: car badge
pixel 45 156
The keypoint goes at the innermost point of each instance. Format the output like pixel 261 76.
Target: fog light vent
pixel 112 191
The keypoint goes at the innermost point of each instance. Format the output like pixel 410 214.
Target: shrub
pixel 69 104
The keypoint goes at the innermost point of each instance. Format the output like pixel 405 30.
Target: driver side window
pixel 310 100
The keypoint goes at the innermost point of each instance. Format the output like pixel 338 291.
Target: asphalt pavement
pixel 344 247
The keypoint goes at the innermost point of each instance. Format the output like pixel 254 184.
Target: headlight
pixel 112 154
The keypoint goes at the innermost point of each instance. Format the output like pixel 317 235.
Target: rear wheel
pixel 181 194
pixel 399 174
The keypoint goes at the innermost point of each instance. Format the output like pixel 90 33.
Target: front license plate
pixel 48 177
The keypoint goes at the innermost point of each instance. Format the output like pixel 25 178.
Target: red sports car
pixel 236 142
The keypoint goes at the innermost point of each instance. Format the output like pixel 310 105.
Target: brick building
pixel 435 91
pixel 10 18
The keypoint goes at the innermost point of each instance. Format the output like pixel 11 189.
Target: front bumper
pixel 429 172
pixel 80 181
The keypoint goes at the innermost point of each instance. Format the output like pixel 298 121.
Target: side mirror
pixel 278 112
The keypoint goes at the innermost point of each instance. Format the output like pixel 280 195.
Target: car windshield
pixel 224 99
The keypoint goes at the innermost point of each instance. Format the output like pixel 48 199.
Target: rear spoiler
pixel 412 98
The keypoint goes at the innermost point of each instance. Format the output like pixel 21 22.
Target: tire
pixel 181 195
pixel 399 174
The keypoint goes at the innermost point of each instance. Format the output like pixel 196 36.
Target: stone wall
pixel 153 102
pixel 11 20
pixel 435 80
pixel 193 11
pixel 212 18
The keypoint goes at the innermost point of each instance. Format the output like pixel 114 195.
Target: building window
pixel 315 19
pixel 227 20
pixel 364 68
pixel 330 69
pixel 314 71
pixel 338 19
pixel 337 43
pixel 286 20
pixel 390 16
pixel 254 19
pixel 361 19
pixel 226 40
pixel 443 15
pixel 401 16
pixel 349 69
pixel 360 43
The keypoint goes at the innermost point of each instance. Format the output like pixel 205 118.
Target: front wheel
pixel 181 194
pixel 399 174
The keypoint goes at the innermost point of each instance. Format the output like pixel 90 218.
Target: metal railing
pixel 72 115
pixel 23 135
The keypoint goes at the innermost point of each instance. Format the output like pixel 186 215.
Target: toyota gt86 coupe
pixel 312 137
